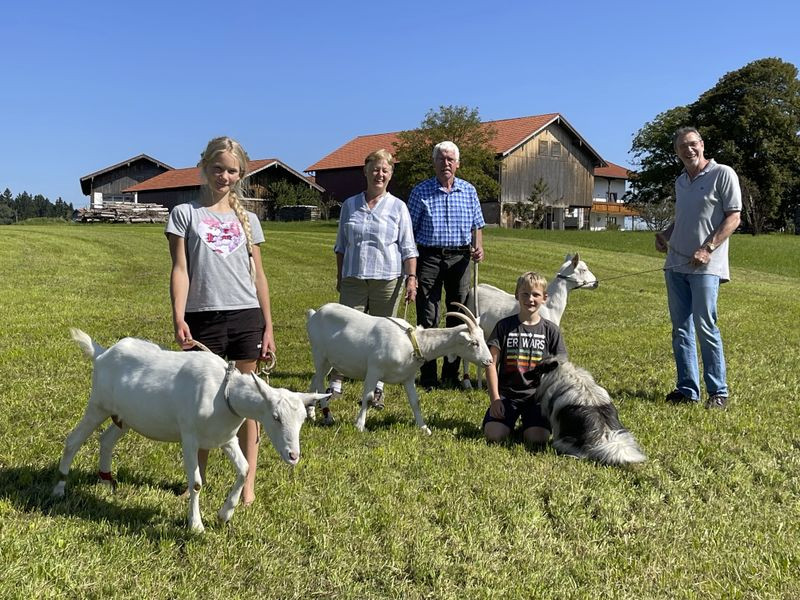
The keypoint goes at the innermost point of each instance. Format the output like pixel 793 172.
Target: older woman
pixel 376 256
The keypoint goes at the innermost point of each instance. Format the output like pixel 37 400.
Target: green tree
pixel 7 212
pixel 24 206
pixel 461 125
pixel 656 164
pixel 293 194
pixel 749 120
pixel 531 211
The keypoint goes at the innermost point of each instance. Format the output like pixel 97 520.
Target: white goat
pixel 496 304
pixel 195 398
pixel 387 349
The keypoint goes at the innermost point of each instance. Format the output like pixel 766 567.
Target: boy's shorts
pixel 231 334
pixel 530 411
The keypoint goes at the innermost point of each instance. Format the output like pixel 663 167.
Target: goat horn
pixel 470 323
pixel 466 310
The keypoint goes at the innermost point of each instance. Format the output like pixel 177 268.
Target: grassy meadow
pixel 391 513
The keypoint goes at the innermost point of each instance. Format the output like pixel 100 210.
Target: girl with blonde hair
pixel 220 295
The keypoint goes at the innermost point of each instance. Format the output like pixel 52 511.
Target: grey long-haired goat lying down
pixel 195 398
pixel 585 423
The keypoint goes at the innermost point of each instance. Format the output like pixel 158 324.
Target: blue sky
pixel 89 84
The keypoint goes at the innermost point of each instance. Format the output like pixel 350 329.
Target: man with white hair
pixel 447 221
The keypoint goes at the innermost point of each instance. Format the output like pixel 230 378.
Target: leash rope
pixel 665 268
pixel 265 365
pixel 597 281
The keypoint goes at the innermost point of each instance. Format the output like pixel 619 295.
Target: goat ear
pixel 576 259
pixel 312 399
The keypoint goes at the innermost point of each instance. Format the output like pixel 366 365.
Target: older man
pixel 447 221
pixel 708 202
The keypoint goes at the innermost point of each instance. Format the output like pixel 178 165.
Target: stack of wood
pixel 123 212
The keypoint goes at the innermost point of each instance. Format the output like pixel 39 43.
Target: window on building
pixel 543 147
pixel 555 149
pixel 612 196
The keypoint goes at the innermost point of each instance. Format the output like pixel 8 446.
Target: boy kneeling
pixel 517 344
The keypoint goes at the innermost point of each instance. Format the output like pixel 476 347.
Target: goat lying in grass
pixel 495 304
pixel 387 349
pixel 194 398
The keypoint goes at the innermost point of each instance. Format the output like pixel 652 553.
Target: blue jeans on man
pixel 692 301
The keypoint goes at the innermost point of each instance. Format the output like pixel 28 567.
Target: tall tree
pixel 749 120
pixel 460 125
pixel 657 166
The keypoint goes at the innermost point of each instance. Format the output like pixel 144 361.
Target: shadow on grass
pixel 651 396
pixel 29 490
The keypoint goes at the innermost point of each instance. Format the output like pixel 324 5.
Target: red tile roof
pixel 510 133
pixel 178 178
pixel 612 171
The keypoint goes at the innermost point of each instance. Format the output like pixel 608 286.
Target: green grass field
pixel 392 513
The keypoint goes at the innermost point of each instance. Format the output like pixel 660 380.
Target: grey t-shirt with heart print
pixel 216 257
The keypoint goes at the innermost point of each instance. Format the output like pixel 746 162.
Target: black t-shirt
pixel 521 348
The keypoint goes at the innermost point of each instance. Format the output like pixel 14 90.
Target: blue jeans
pixel 692 301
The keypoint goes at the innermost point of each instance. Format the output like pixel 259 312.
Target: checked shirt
pixel 444 219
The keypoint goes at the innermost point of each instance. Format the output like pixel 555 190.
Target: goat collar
pixel 225 384
pixel 413 337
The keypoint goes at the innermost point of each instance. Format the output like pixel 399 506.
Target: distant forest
pixel 24 206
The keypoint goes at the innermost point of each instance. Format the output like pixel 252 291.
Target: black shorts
pixel 530 411
pixel 232 334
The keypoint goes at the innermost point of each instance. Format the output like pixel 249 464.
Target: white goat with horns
pixel 387 349
pixel 496 304
pixel 195 398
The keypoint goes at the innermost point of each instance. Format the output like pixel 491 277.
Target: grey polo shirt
pixel 700 207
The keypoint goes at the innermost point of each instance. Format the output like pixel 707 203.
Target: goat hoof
pixel 198 528
pixel 328 420
pixel 224 516
pixel 426 430
pixel 466 384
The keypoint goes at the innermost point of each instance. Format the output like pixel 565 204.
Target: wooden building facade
pixel 109 184
pixel 184 185
pixel 529 150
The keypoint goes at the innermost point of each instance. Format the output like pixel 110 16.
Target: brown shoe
pixel 717 401
pixel 677 397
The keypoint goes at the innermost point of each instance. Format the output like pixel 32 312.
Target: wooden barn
pixel 529 149
pixel 182 185
pixel 109 184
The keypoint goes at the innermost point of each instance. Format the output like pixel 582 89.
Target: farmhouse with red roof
pixel 528 149
pixel 144 180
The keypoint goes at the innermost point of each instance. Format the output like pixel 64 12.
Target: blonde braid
pixel 226 144
pixel 233 199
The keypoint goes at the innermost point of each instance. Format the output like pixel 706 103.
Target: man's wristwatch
pixel 711 246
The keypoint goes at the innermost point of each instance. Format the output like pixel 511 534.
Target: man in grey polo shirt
pixel 708 203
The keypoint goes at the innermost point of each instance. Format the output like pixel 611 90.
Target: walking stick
pixel 478 374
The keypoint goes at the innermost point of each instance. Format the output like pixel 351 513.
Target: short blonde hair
pixel 381 154
pixel 531 279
